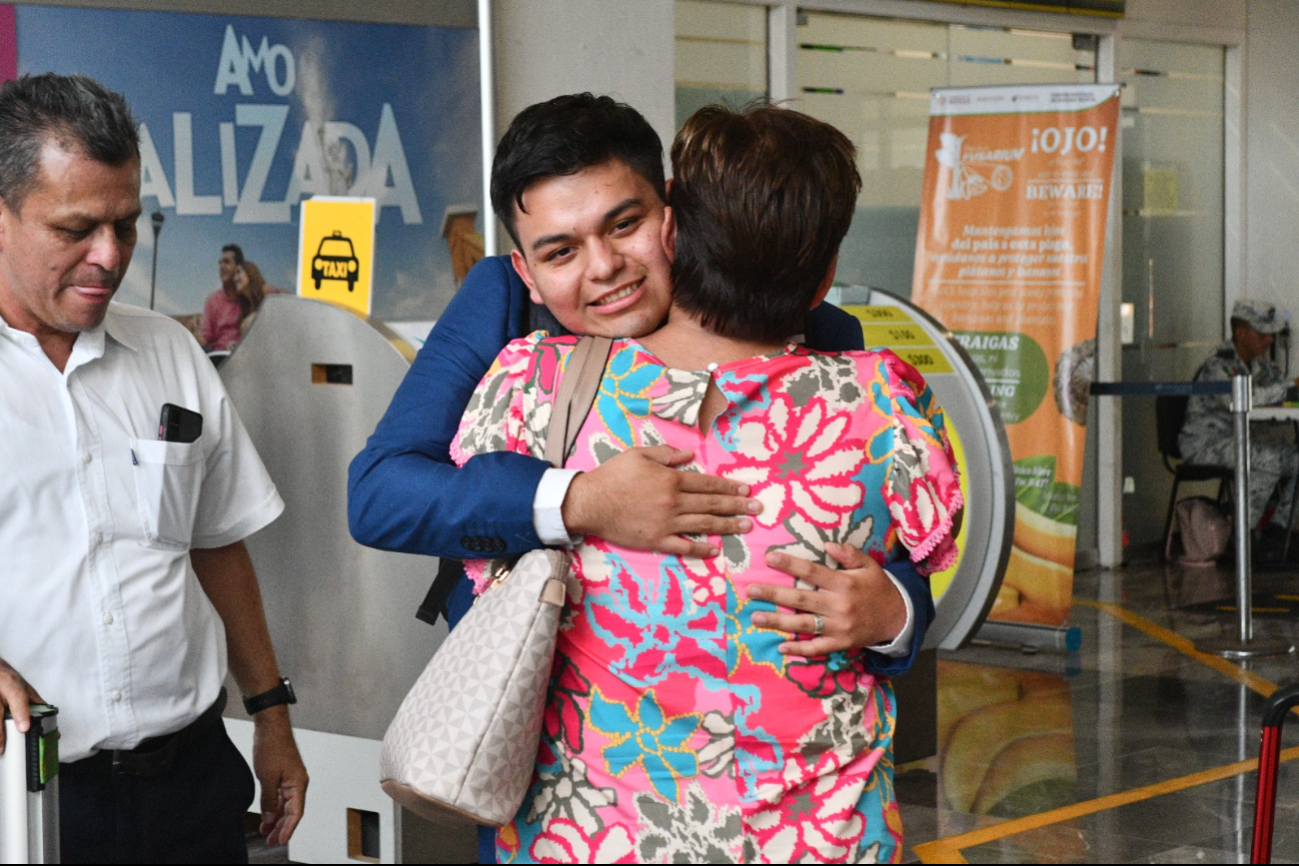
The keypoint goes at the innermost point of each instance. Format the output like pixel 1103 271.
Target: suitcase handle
pixel 1283 700
pixel 1278 705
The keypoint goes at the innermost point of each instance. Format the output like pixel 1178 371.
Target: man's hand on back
pixel 638 500
pixel 15 695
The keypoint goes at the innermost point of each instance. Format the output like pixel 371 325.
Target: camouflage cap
pixel 1262 316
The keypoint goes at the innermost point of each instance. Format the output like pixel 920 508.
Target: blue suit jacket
pixel 404 492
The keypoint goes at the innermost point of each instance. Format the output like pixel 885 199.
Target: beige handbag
pixel 464 741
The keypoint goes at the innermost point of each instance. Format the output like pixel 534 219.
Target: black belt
pixel 154 756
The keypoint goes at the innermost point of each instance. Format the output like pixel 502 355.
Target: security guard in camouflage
pixel 1208 435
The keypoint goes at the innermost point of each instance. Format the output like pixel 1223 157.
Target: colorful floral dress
pixel 675 730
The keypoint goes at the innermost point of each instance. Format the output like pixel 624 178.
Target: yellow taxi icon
pixel 335 259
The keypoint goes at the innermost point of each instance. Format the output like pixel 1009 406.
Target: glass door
pixel 1173 149
pixel 871 77
pixel 721 55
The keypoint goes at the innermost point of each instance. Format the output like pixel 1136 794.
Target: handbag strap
pixel 573 403
pixel 577 390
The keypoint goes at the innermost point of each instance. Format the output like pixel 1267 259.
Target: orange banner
pixel 1012 237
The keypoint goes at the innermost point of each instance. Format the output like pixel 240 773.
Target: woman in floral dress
pixel 676 728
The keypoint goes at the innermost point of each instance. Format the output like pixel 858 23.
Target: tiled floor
pixel 1022 736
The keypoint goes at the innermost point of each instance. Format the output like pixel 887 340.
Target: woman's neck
pixel 685 344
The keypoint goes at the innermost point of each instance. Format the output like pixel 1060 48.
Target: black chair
pixel 1170 414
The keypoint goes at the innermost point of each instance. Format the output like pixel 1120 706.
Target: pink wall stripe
pixel 8 43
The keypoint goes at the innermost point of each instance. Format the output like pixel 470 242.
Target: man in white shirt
pixel 125 579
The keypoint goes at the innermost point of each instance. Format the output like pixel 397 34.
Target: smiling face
pixel 63 255
pixel 592 249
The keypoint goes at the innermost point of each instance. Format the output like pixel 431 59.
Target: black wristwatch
pixel 281 694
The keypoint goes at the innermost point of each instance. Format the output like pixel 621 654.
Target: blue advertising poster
pixel 242 118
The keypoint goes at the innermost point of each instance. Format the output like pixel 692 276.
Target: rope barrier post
pixel 1241 403
pixel 1243 646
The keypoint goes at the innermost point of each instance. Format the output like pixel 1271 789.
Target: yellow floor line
pixel 1228 669
pixel 948 850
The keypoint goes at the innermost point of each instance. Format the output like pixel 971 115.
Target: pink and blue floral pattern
pixel 675 729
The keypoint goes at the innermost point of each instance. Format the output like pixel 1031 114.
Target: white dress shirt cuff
pixel 548 508
pixel 900 645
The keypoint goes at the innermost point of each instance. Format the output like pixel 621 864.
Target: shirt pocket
pixel 168 477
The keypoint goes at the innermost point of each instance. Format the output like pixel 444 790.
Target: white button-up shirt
pixel 100 609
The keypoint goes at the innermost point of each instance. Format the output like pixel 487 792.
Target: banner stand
pixel 1009 255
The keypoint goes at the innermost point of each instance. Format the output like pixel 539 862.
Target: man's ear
pixel 826 282
pixel 521 268
pixel 5 216
pixel 668 234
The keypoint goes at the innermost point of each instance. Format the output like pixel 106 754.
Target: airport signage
pixel 1011 242
pixel 336 251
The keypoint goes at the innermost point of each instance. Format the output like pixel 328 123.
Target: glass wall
pixel 721 55
pixel 871 78
pixel 1173 149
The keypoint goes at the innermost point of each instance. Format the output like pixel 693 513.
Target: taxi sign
pixel 336 251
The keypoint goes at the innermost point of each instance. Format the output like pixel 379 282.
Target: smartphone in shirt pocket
pixel 168 478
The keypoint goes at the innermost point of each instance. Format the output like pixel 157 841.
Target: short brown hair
pixel 763 197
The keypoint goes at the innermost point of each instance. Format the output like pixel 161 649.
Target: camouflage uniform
pixel 1209 434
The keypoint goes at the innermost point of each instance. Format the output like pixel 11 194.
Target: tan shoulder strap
pixel 576 395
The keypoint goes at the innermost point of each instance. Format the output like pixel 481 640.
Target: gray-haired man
pixel 125 578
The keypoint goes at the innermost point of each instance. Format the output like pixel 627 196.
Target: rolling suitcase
pixel 29 790
pixel 1269 758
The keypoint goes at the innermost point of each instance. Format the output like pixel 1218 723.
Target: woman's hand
pixel 859 605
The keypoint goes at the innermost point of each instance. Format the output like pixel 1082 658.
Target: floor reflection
pixel 1067 737
pixel 1006 740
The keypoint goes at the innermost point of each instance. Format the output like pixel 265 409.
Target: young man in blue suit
pixel 579 184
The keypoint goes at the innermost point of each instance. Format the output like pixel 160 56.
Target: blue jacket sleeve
pixel 830 329
pixel 922 603
pixel 404 493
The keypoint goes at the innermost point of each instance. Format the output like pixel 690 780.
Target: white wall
pixel 545 48
pixel 1272 175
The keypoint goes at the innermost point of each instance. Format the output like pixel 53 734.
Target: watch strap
pixel 281 694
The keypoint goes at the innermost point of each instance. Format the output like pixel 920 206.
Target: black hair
pixel 76 112
pixel 237 250
pixel 562 137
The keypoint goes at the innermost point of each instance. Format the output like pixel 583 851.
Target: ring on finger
pixel 818 625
